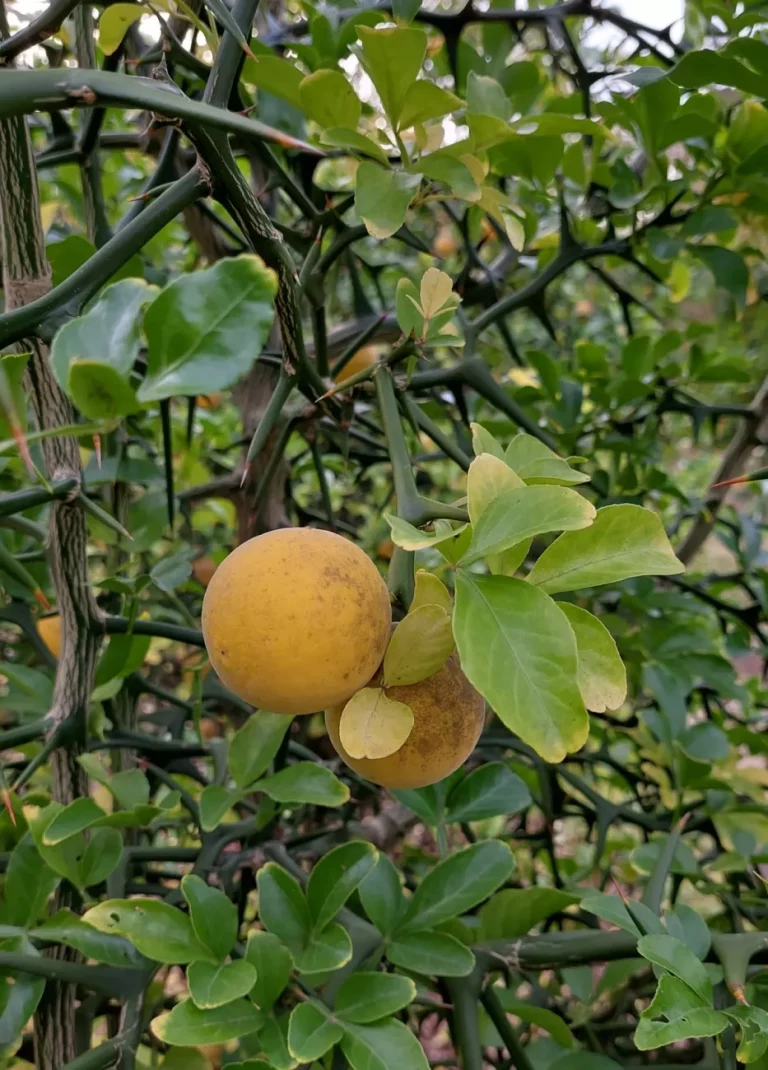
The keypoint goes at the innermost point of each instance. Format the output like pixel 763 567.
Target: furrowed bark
pixel 26 276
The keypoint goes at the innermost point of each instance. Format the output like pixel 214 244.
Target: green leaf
pixel 423 101
pixel 283 908
pixel 343 138
pixel 491 790
pixel 255 745
pixel 602 676
pixel 676 1013
pixel 536 463
pixel 382 896
pixel 705 67
pixel 519 651
pixel 205 330
pixel 387 1045
pixel 101 856
pixel 311 1032
pixel 382 198
pixel 276 75
pixel 213 915
pixel 273 965
pixel 161 932
pixel 114 24
pixel 484 442
pixel 18 999
pixel 624 541
pixel 610 908
pixel 486 97
pixel 367 997
pixel 99 391
pixel 421 644
pixel 457 884
pixel 213 986
pixel 487 479
pixel 521 513
pixel 584 1060
pixel 393 59
pixel 72 819
pixel 335 877
pixel 170 572
pixel 329 950
pixel 108 333
pixel 273 1040
pixel 728 267
pixel 187 1025
pixel 305 782
pixel 432 954
pixel 676 957
pixel 29 883
pixel 214 803
pixel 329 99
pixel 68 929
pixel 515 912
pixel 540 1016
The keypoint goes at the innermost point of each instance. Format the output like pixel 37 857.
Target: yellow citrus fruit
pixel 296 620
pixel 364 358
pixel 49 630
pixel 448 717
pixel 203 569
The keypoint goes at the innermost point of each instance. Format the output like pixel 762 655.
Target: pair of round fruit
pixel 298 620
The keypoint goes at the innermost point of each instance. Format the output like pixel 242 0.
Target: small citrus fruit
pixel 445 244
pixel 364 358
pixel 296 620
pixel 49 630
pixel 203 569
pixel 448 717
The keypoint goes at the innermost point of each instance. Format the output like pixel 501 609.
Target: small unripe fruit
pixel 448 717
pixel 296 620
pixel 203 569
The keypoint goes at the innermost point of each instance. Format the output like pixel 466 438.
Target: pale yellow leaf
pixel 430 591
pixel 515 230
pixel 476 167
pixel 373 726
pixel 488 477
pixel 421 644
pixel 436 288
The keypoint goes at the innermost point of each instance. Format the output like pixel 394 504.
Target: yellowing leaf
pixel 408 537
pixel 421 644
pixel 515 230
pixel 487 478
pixel 115 22
pixel 484 442
pixel 430 591
pixel 602 676
pixel 477 168
pixel 373 726
pixel 436 288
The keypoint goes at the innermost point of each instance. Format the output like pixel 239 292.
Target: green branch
pixel 22 92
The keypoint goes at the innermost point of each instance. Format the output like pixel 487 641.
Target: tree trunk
pixel 26 276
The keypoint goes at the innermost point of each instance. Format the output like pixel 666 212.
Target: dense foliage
pixel 481 289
